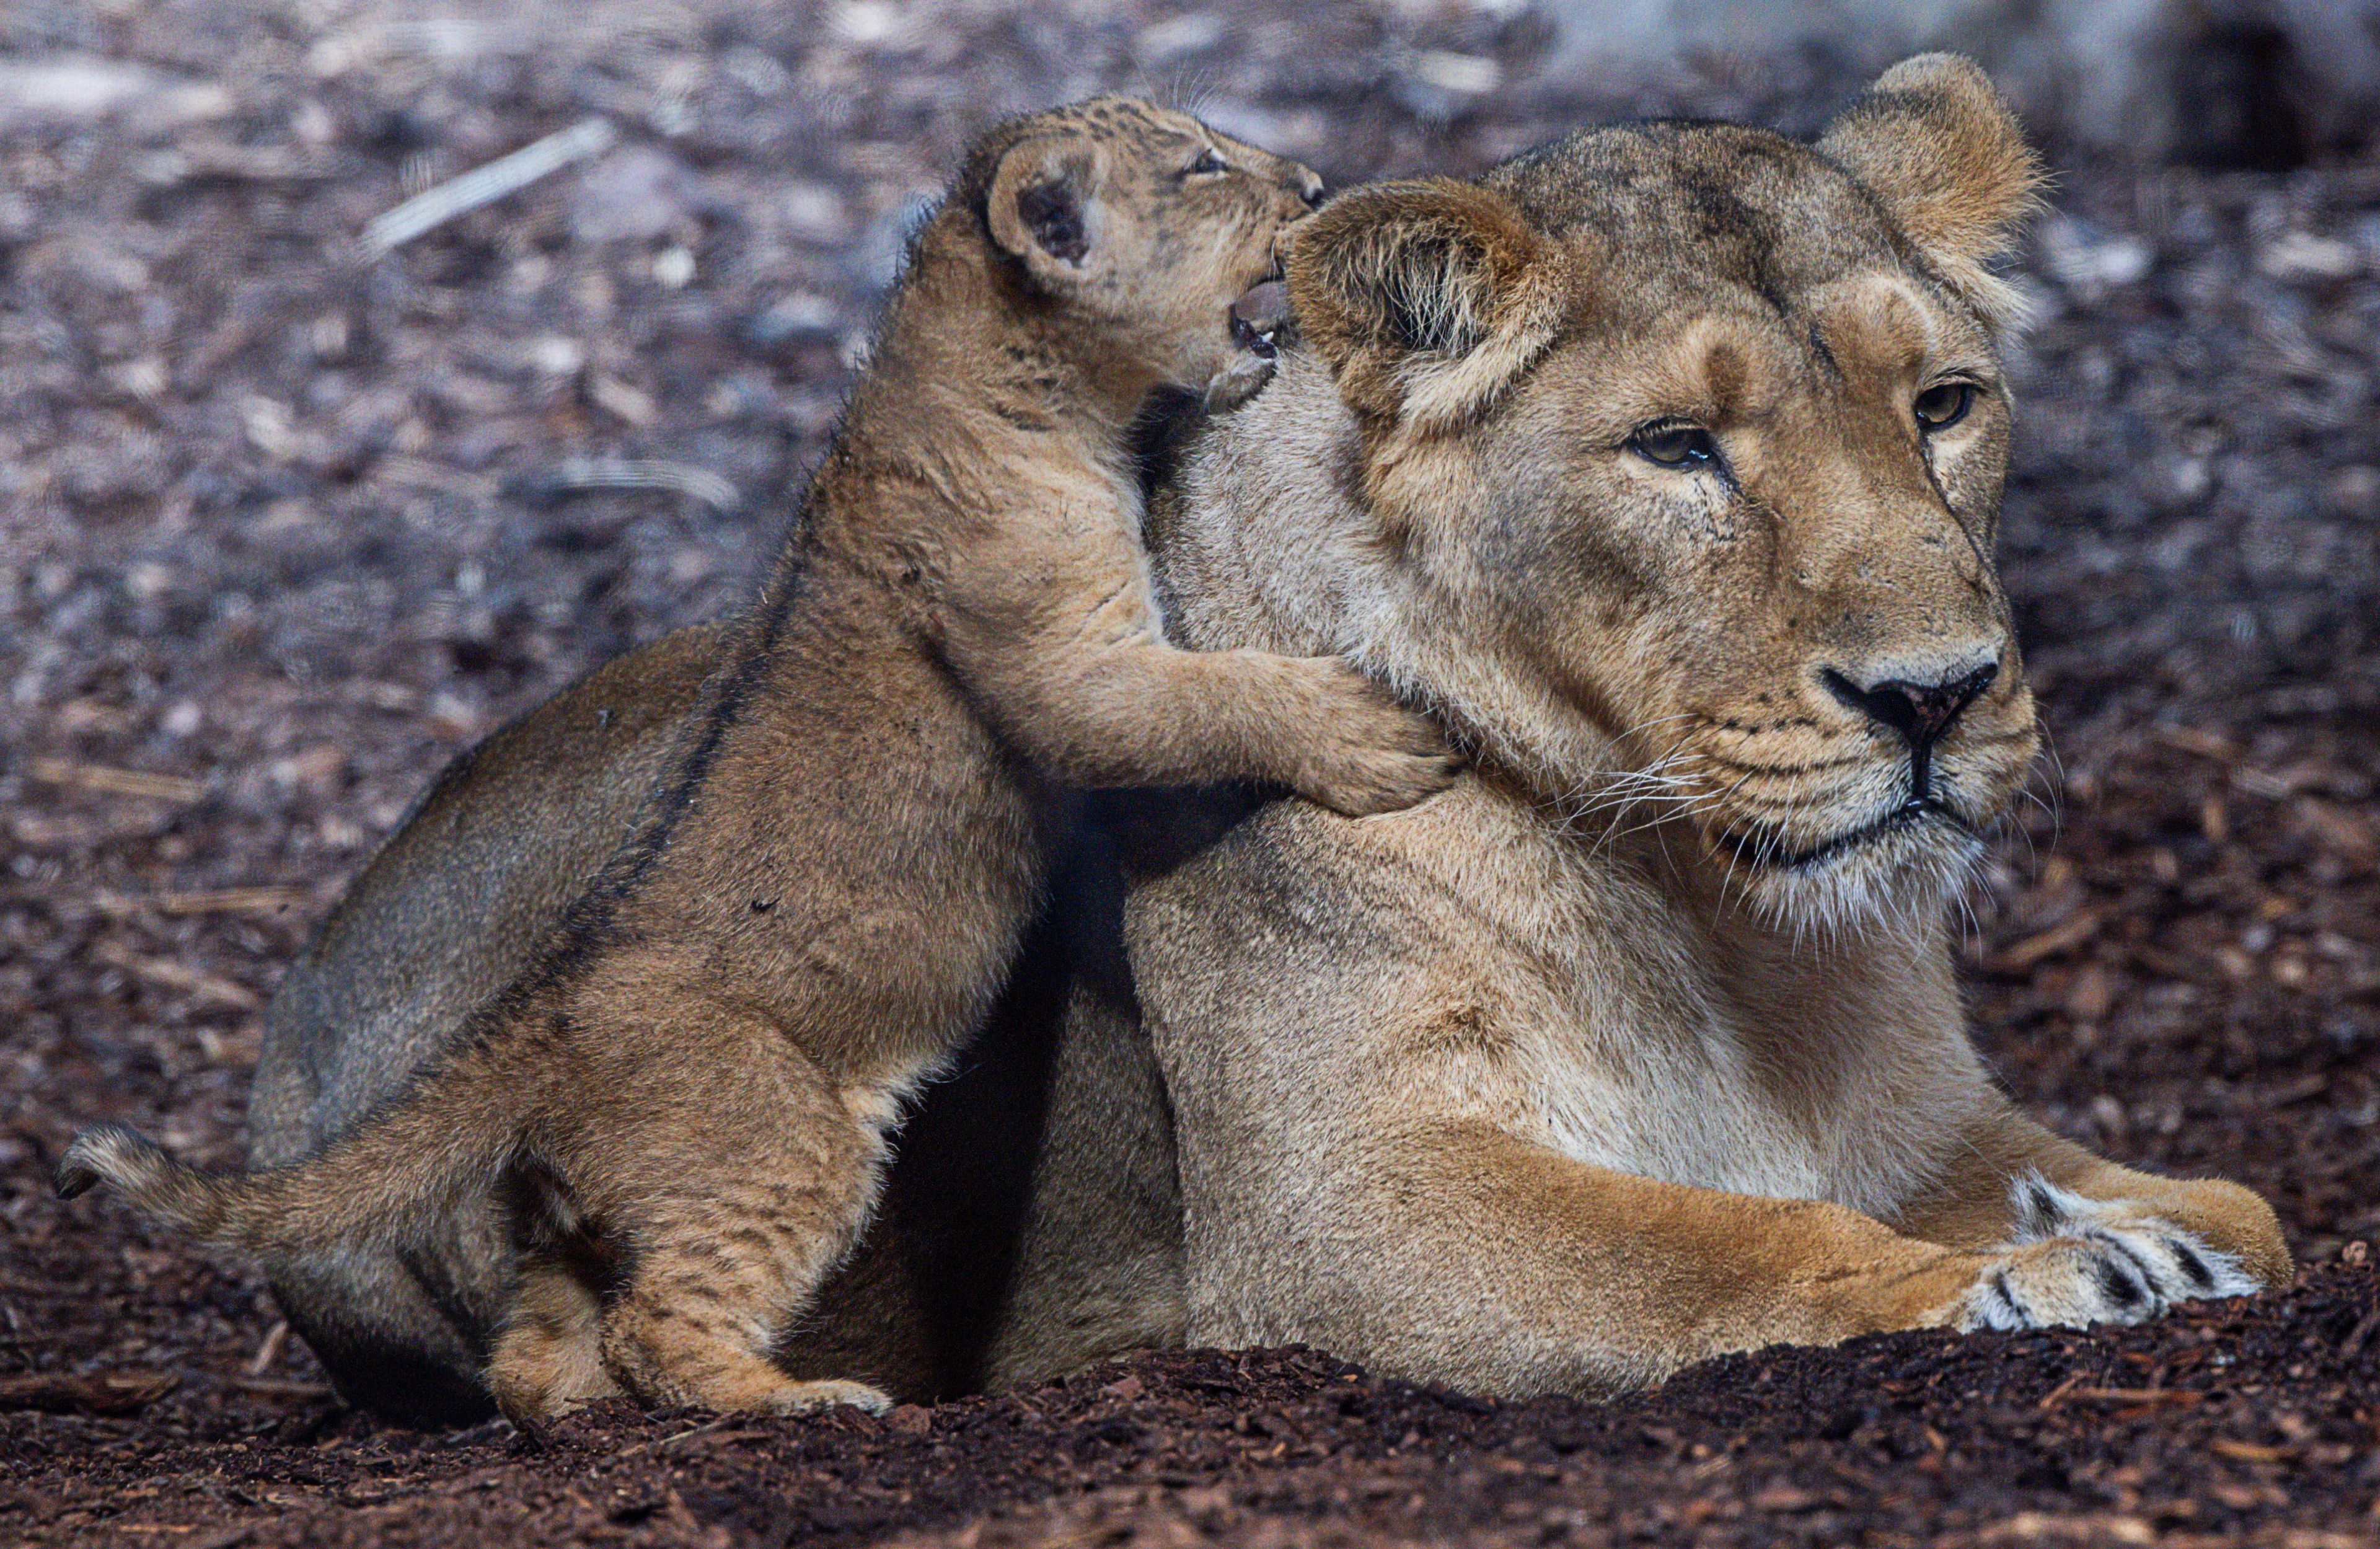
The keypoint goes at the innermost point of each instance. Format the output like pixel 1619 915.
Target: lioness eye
pixel 1208 161
pixel 1674 446
pixel 1944 405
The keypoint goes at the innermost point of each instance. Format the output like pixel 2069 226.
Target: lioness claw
pixel 2077 1262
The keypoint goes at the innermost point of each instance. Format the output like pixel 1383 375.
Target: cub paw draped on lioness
pixel 1368 754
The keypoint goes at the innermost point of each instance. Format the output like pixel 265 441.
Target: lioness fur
pixel 684 1100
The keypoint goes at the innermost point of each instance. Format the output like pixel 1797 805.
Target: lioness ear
pixel 1041 207
pixel 1936 145
pixel 1426 299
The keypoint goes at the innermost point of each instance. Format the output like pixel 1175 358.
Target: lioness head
pixel 1146 226
pixel 1667 460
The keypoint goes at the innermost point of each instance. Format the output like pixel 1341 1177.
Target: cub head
pixel 1669 460
pixel 1143 226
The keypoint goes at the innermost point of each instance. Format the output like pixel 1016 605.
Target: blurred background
pixel 235 424
pixel 295 503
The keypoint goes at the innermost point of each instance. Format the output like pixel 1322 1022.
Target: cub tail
pixel 374 1184
pixel 218 1210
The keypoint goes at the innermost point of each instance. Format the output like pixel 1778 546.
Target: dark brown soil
pixel 281 529
pixel 2222 1424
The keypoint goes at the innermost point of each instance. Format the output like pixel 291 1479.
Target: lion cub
pixel 683 1106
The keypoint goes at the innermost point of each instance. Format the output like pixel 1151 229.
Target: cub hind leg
pixel 734 1193
pixel 672 1355
pixel 549 1359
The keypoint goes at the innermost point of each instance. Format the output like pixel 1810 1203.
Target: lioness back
pixel 472 883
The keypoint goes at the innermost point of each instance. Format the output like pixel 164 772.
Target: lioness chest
pixel 1554 990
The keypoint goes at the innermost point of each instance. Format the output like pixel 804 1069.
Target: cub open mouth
pixel 1260 321
pixel 1767 847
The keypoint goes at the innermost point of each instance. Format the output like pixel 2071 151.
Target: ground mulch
pixel 2224 1423
pixel 282 526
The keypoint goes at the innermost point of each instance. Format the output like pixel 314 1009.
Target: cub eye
pixel 1209 160
pixel 1674 446
pixel 1944 405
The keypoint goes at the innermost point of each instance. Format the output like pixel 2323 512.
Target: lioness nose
pixel 1921 712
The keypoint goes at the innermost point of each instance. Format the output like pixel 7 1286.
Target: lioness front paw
pixel 2076 1260
pixel 1370 754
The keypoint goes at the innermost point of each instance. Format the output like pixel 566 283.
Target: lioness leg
pixel 2014 1182
pixel 1455 1251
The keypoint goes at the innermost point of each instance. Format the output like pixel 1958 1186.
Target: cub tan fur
pixel 1666 460
pixel 684 1102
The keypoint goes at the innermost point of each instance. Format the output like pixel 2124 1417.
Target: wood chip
pixel 2033 1527
pixel 2196 740
pixel 1784 1497
pixel 229 1537
pixel 119 782
pixel 579 474
pixel 2336 828
pixel 2184 1396
pixel 216 161
pixel 632 404
pixel 434 207
pixel 168 974
pixel 2263 783
pixel 223 900
pixel 2064 936
pixel 675 1437
pixel 106 1393
pixel 269 1350
pixel 278 1387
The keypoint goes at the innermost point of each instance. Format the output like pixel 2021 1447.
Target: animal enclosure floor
pixel 282 526
pixel 2227 1424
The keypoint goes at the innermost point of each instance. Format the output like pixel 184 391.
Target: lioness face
pixel 1146 226
pixel 1771 486
pixel 1703 435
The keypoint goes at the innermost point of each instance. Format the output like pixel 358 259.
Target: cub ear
pixel 1426 298
pixel 1041 207
pixel 1939 148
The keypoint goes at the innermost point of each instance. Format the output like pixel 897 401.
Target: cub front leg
pixel 1097 699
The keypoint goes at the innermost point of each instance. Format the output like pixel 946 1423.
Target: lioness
pixel 685 1098
pixel 1666 462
